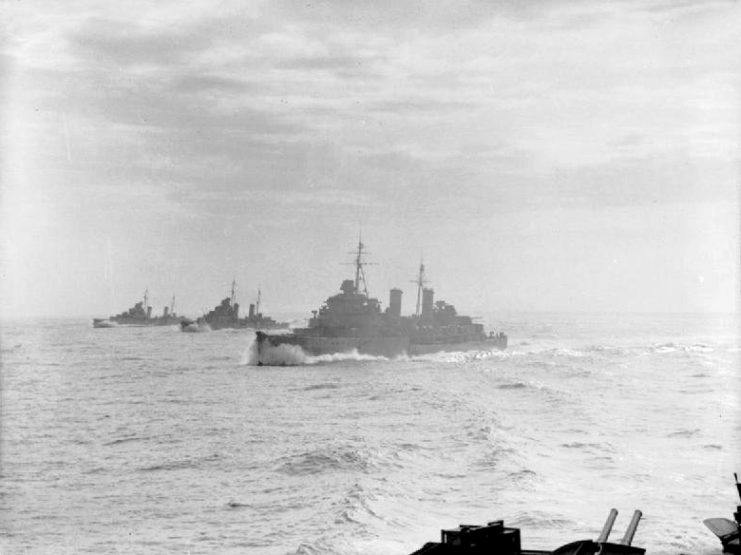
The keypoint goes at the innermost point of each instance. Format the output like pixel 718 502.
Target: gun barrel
pixel 607 528
pixel 632 527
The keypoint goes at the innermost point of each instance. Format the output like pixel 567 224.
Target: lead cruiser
pixel 352 321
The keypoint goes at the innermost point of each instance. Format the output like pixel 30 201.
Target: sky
pixel 536 155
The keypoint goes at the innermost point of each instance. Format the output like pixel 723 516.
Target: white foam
pixel 294 355
pixel 280 355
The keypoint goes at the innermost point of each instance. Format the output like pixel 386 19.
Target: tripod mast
pixel 359 271
pixel 420 281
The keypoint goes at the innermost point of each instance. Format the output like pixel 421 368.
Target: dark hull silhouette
pixel 497 539
pixel 728 531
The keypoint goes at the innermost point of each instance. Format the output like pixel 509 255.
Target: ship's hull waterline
pixel 388 347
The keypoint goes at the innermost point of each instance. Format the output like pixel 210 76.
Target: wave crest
pixel 324 460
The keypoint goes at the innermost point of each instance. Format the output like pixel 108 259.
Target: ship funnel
pixel 395 303
pixel 166 311
pixel 428 300
pixel 252 311
pixel 149 312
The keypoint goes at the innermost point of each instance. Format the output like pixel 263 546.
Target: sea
pixel 149 440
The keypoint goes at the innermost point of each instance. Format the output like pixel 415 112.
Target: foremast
pixel 360 264
pixel 420 282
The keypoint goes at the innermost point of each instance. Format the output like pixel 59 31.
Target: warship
pixel 140 315
pixel 226 315
pixel 353 321
pixel 495 538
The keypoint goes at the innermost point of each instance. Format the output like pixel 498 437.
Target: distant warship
pixel 226 315
pixel 140 315
pixel 353 321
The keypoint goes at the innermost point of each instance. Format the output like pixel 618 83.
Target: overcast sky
pixel 539 155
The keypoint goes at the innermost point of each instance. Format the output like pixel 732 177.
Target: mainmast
pixel 257 303
pixel 233 296
pixel 172 306
pixel 146 299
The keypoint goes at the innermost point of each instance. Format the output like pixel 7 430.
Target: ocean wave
pixel 96 470
pixel 461 356
pixel 324 460
pixel 489 461
pixel 320 386
pixel 237 505
pixel 550 354
pixel 541 519
pixel 125 440
pixel 671 347
pixel 181 464
pixel 522 474
pixel 516 385
pixel 586 445
pixel 607 349
pixel 319 547
pixel 566 352
pixel 685 433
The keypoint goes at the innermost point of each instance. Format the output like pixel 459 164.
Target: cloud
pixel 407 111
pixel 109 42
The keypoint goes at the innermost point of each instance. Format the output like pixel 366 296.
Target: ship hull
pixel 389 347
